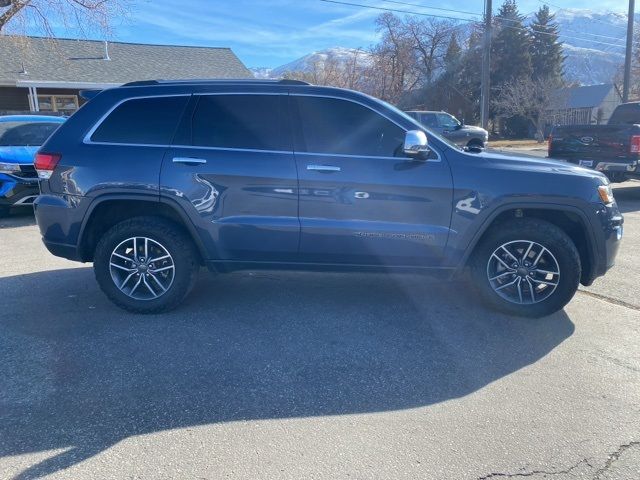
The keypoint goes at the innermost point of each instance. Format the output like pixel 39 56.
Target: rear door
pixel 232 169
pixel 361 200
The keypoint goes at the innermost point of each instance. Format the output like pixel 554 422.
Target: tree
pixel 429 39
pixel 546 50
pixel 453 54
pixel 18 16
pixel 510 50
pixel 536 100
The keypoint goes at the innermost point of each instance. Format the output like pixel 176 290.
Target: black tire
pixel 475 143
pixel 556 241
pixel 179 246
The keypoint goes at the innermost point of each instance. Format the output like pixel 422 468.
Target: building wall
pixel 611 101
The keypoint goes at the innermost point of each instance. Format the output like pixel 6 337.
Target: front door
pixel 232 168
pixel 361 200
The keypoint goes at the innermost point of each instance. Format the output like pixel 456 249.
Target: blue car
pixel 20 138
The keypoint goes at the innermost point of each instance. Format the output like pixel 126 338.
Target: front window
pixel 66 104
pixel 448 121
pixel 25 134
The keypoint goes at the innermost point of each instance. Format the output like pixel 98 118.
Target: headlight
pixel 9 167
pixel 606 194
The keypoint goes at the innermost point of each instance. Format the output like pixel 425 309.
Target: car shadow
pixel 80 375
pixel 628 196
pixel 21 217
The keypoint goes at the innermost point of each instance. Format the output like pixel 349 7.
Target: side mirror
pixel 415 144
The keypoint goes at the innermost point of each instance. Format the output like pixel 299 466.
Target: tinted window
pixel 238 121
pixel 626 114
pixel 25 134
pixel 330 125
pixel 143 121
pixel 429 120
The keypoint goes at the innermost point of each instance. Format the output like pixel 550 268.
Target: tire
pixel 475 143
pixel 539 294
pixel 169 278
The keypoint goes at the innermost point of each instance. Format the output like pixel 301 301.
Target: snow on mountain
pixel 593 46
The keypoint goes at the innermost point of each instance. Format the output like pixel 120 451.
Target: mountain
pixel 593 46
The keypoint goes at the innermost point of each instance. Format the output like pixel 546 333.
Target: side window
pixel 239 121
pixel 331 125
pixel 429 120
pixel 151 121
pixel 447 121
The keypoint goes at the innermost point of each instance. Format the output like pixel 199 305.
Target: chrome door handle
pixel 323 168
pixel 189 160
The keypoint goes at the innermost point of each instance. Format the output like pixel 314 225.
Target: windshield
pixel 429 133
pixel 25 134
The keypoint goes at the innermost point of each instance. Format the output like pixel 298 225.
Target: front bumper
pixel 15 191
pixel 609 233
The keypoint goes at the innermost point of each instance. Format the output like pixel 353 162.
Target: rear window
pixel 25 134
pixel 626 114
pixel 150 121
pixel 239 121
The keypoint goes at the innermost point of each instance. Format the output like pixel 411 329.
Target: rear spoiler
pixel 89 94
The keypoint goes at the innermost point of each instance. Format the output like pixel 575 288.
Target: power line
pixel 398 11
pixel 433 8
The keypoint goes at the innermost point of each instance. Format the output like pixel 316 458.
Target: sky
pixel 270 33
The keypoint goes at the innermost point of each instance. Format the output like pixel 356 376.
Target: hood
pixel 22 155
pixel 472 128
pixel 542 165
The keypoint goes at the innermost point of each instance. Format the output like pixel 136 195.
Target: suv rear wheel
pixel 145 265
pixel 527 267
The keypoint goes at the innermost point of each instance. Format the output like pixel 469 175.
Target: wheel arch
pixel 109 209
pixel 569 219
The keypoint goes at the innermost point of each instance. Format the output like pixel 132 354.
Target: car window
pixel 150 121
pixel 628 114
pixel 331 125
pixel 429 120
pixel 25 134
pixel 447 121
pixel 238 121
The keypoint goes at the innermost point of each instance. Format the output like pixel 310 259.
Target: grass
pixel 527 142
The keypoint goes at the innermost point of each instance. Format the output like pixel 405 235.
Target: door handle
pixel 189 160
pixel 323 168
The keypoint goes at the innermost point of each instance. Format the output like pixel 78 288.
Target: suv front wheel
pixel 145 265
pixel 527 267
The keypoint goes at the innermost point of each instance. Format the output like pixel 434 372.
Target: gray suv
pixel 450 127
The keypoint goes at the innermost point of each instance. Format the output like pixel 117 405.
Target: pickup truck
pixel 613 149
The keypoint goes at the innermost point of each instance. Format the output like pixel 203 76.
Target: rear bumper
pixel 59 219
pixel 16 191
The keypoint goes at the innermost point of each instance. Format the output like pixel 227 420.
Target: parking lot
pixel 303 375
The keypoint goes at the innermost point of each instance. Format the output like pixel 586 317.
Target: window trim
pixel 87 138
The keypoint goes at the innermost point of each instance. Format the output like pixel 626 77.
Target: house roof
pixel 83 61
pixel 585 97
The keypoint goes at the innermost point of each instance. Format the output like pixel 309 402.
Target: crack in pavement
pixel 535 472
pixel 611 459
pixel 608 299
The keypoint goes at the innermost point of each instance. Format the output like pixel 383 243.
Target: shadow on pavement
pixel 81 375
pixel 18 218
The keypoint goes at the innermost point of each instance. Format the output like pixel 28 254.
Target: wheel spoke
pixel 157 259
pixel 510 272
pixel 535 262
pixel 544 282
pixel 519 284
pixel 502 262
pixel 135 249
pixel 509 253
pixel 126 280
pixel 531 291
pixel 136 285
pixel 546 272
pixel 122 268
pixel 526 254
pixel 158 270
pixel 155 279
pixel 128 259
pixel 146 248
pixel 506 285
pixel 146 284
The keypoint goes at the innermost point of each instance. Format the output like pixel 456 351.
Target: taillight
pixel 45 163
pixel 635 144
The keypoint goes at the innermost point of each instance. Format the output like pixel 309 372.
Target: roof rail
pixel 253 81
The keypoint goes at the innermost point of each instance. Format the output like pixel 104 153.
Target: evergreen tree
pixel 453 53
pixel 510 52
pixel 546 51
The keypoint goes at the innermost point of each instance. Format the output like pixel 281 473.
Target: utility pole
pixel 627 58
pixel 486 65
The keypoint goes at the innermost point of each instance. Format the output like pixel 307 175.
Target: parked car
pixel 20 138
pixel 151 180
pixel 613 149
pixel 450 127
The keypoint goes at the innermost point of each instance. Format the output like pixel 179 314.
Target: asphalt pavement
pixel 318 376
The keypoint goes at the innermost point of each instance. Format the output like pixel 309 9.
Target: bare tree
pixel 536 100
pixel 84 16
pixel 430 38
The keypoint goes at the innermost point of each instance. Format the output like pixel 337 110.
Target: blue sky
pixel 272 32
